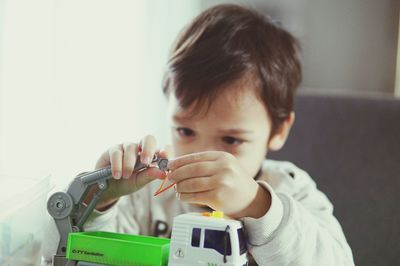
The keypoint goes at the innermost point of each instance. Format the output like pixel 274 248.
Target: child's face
pixel 237 122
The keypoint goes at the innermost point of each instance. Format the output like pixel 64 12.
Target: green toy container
pixel 117 249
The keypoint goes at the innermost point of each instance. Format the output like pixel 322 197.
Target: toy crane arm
pixel 68 210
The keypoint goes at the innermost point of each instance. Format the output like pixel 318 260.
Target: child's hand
pixel 122 158
pixel 215 179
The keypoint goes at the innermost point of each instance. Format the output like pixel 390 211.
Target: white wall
pixel 79 76
pixel 26 99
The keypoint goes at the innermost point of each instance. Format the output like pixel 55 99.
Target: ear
pixel 277 141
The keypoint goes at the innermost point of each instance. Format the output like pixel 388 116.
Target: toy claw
pixel 161 189
pixel 162 164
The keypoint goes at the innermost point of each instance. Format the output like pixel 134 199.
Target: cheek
pixel 252 158
pixel 180 148
pixel 176 146
pixel 251 165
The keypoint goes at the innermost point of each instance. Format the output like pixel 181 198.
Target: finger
pixel 115 154
pixel 148 175
pixel 130 154
pixel 198 169
pixel 103 161
pixel 194 157
pixel 166 152
pixel 148 146
pixel 195 185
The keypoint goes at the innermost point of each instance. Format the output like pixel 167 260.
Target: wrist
pixel 260 204
pixel 105 205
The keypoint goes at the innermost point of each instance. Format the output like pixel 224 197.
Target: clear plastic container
pixel 22 218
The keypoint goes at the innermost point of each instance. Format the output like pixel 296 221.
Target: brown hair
pixel 222 45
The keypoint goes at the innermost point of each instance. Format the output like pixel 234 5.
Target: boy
pixel 230 85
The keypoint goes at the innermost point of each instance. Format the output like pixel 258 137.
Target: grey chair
pixel 351 147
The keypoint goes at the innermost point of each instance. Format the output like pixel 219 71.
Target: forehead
pixel 238 106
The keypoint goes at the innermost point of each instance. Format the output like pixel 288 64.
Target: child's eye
pixel 185 132
pixel 232 140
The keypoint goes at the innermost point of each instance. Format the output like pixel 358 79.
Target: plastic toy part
pixel 214 214
pixel 117 249
pixel 161 189
pixel 217 214
pixel 161 163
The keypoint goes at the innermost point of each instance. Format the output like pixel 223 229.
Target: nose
pixel 207 145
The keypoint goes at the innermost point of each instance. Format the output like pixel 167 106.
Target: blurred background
pixel 78 76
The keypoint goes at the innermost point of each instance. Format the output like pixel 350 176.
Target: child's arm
pixel 122 159
pixel 297 226
pixel 111 215
pixel 304 230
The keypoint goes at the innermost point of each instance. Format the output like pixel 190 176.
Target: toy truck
pixel 197 239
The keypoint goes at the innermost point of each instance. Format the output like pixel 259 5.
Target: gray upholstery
pixel 351 147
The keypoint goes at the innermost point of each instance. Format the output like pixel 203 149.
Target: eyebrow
pixel 229 131
pixel 180 118
pixel 236 131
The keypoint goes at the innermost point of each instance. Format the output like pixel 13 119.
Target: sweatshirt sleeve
pixel 299 228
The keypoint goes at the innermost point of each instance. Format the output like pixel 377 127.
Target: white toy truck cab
pixel 207 239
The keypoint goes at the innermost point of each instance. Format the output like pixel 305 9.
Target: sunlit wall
pixel 79 76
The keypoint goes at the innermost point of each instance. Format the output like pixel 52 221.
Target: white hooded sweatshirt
pixel 298 229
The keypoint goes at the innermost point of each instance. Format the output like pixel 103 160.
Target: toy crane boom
pixel 68 208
